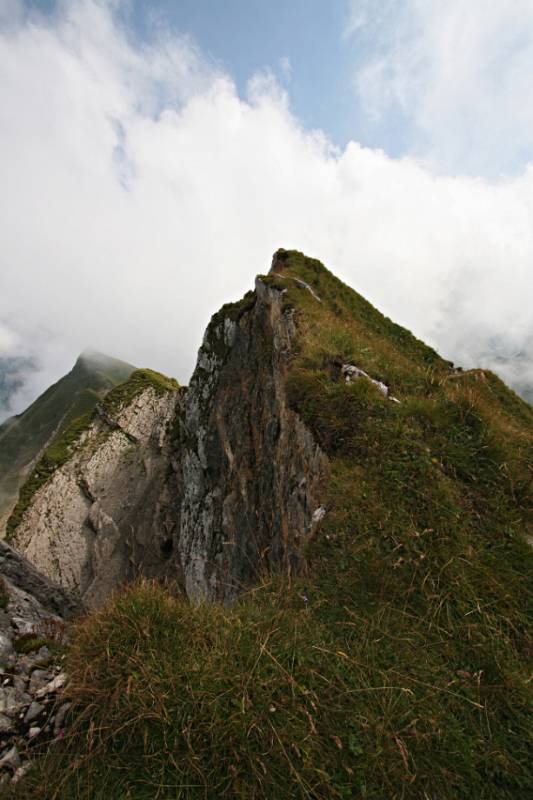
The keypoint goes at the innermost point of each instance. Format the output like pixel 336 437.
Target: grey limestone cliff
pixel 25 437
pixel 209 487
pixel 251 469
pixel 100 520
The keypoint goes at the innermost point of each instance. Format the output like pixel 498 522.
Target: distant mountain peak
pixel 95 358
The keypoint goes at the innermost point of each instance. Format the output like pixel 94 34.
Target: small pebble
pixel 33 712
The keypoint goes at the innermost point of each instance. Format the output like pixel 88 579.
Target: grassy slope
pixel 65 443
pixel 404 674
pixel 22 438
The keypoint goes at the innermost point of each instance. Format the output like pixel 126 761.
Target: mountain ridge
pixel 360 510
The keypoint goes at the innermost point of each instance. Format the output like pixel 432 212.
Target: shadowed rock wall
pixel 251 469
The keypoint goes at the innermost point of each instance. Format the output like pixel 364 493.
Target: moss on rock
pixel 140 380
pixel 54 457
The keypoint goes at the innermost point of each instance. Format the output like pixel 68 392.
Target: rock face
pixel 100 519
pixel 23 579
pixel 208 487
pixel 251 469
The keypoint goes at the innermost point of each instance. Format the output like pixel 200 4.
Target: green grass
pixel 405 673
pixel 276 699
pixel 123 394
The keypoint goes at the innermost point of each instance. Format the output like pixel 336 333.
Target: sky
pixel 155 154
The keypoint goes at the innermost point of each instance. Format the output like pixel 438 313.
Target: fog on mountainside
pixel 14 373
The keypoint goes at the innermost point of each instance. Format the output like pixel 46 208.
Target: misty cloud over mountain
pixel 140 192
pixel 14 373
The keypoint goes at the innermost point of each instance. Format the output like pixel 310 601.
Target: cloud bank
pixel 140 192
pixel 458 75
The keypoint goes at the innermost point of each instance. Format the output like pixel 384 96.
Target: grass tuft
pixel 141 379
pixel 29 642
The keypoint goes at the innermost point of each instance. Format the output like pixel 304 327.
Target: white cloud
pixel 8 340
pixel 140 192
pixel 460 74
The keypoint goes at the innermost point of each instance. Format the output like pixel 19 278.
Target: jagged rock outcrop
pixel 100 519
pixel 22 577
pixel 415 578
pixel 209 487
pixel 251 469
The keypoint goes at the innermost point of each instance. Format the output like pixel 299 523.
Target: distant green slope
pixel 22 438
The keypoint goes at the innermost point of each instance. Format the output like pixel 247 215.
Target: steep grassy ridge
pixel 399 666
